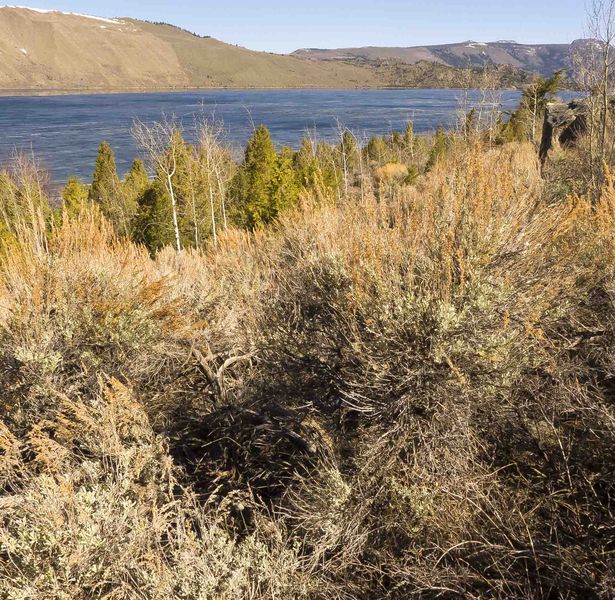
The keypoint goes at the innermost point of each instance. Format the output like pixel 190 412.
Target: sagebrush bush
pixel 392 397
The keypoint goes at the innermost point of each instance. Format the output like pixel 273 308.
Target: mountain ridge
pixel 542 59
pixel 43 50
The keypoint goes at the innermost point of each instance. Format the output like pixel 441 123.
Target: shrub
pixel 393 397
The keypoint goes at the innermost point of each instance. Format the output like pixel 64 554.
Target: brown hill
pixel 50 50
pixel 536 58
pixel 54 50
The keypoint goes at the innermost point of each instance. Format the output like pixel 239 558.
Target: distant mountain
pixel 43 50
pixel 533 58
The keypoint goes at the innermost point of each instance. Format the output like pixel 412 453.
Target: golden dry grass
pixel 409 396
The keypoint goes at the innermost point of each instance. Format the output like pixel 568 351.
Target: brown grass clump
pixel 402 397
pixel 390 173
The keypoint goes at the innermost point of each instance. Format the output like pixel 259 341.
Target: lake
pixel 63 132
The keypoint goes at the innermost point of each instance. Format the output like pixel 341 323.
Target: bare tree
pixel 602 27
pixel 23 202
pixel 159 142
pixel 342 133
pixel 593 72
pixel 478 115
pixel 216 161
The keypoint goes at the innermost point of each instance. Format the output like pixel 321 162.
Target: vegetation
pixel 526 122
pixel 403 389
pixel 431 74
pixel 366 369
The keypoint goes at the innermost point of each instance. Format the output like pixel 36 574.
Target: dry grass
pixel 393 398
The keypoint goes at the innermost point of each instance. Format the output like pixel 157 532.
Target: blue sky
pixel 280 26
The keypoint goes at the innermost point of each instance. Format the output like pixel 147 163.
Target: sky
pixel 284 26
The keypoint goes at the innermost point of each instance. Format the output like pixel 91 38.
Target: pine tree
pixel 23 202
pixel 158 213
pixel 349 157
pixel 412 176
pixel 252 185
pixel 106 191
pixel 193 186
pixel 105 181
pixel 409 144
pixel 440 143
pixel 74 197
pixel 136 180
pixel 198 177
pixel 524 123
pixel 306 165
pixel 285 185
pixel 409 136
pixel 377 150
pixel 329 170
pixel 317 168
pixel 536 96
pixel 151 225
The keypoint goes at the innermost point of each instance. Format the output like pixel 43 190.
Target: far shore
pixel 166 90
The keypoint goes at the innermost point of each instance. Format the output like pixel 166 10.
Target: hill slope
pixel 53 50
pixel 538 58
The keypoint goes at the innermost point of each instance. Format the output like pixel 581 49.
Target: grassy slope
pixel 47 51
pixel 210 62
pixel 68 51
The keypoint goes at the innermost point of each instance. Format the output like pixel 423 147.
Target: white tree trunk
pixel 174 211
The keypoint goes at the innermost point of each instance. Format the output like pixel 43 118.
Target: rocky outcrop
pixel 564 124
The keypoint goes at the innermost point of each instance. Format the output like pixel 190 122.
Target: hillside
pixel 53 50
pixel 428 74
pixel 537 58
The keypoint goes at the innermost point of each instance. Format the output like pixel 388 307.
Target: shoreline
pixel 37 92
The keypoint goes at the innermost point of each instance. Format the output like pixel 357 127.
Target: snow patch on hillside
pixel 48 10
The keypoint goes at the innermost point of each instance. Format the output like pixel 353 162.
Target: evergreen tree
pixel 440 143
pixel 536 96
pixel 409 136
pixel 516 128
pixel 329 171
pixel 134 186
pixel 151 225
pixel 317 168
pixel 199 177
pixel 136 180
pixel 154 223
pixel 105 181
pixel 525 123
pixel 23 203
pixel 194 186
pixel 285 184
pixel 106 191
pixel 306 164
pixel 377 150
pixel 412 176
pixel 349 150
pixel 252 184
pixel 74 197
pixel 470 124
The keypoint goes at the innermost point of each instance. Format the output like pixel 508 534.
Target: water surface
pixel 63 132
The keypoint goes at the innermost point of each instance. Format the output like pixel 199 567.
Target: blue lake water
pixel 63 132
